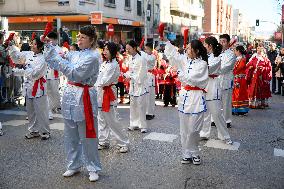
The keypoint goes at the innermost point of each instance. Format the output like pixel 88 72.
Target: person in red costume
pixel 240 95
pixel 257 79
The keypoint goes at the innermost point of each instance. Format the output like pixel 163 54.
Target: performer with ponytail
pixel 193 75
pixel 213 96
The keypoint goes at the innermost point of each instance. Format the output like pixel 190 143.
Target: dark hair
pixel 1 35
pixel 225 36
pixel 113 49
pixel 199 49
pixel 52 35
pixel 241 49
pixel 89 31
pixel 149 44
pixel 76 46
pixel 25 47
pixel 216 47
pixel 101 44
pixel 39 44
pixel 134 45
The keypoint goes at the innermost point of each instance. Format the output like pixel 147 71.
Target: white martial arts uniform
pixel 34 88
pixel 79 67
pixel 213 101
pixel 226 77
pixel 53 80
pixel 137 91
pixel 191 103
pixel 108 122
pixel 151 60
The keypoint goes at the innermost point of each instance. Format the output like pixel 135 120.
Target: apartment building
pixel 127 16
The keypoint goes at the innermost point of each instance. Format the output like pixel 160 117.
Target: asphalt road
pixel 151 164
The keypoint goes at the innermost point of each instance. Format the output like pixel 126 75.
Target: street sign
pixel 97 17
pixel 110 30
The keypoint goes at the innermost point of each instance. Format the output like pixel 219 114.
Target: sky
pixel 264 10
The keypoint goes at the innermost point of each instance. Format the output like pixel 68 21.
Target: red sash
pixel 213 76
pixel 191 88
pixel 35 87
pixel 107 98
pixel 56 74
pixel 90 129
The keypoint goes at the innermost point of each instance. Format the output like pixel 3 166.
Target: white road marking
pixel 57 126
pixel 15 123
pixel 163 137
pixel 221 145
pixel 278 152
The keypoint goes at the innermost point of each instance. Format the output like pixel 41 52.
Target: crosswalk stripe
pixel 163 137
pixel 278 152
pixel 212 143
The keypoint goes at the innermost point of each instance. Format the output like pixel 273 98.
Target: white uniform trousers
pixel 138 112
pixel 79 149
pixel 110 126
pixel 38 114
pixel 52 87
pixel 151 101
pixel 227 105
pixel 214 110
pixel 190 126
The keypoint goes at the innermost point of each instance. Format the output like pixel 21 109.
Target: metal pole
pixel 145 21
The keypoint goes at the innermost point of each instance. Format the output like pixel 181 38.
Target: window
pixel 110 3
pixel 127 4
pixel 139 7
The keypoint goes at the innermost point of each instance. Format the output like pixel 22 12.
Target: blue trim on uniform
pixel 193 113
pixel 213 99
pixel 184 100
pixel 140 95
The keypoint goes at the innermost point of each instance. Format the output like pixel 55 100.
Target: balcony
pixel 196 10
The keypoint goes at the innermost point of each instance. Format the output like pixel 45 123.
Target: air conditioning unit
pixel 2 1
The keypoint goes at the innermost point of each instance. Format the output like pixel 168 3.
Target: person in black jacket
pixel 272 54
pixel 280 66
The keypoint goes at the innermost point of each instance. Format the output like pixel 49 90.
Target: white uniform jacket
pixel 138 75
pixel 33 72
pixel 213 87
pixel 190 72
pixel 79 67
pixel 151 60
pixel 228 60
pixel 51 74
pixel 108 75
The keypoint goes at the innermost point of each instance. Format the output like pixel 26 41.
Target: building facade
pixel 218 17
pixel 127 16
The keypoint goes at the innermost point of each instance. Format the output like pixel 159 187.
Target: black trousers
pixel 170 94
pixel 120 87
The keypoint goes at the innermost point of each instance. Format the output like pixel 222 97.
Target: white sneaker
pixel 1 132
pixel 144 130
pixel 123 149
pixel 27 118
pixel 93 176
pixel 228 141
pixel 70 173
pixel 50 116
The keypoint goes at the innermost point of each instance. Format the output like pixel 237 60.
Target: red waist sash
pixel 90 129
pixel 193 88
pixel 107 98
pixel 40 81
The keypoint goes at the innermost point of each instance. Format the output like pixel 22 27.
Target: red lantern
pixel 161 30
pixel 185 37
pixel 110 30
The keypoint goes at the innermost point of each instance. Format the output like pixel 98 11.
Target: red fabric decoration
pixel 142 42
pixel 33 36
pixel 185 37
pixel 47 30
pixel 35 87
pixel 56 74
pixel 193 88
pixel 161 30
pixel 10 38
pixel 107 98
pixel 11 62
pixel 89 117
pixel 66 45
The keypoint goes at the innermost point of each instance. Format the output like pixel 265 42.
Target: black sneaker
pixel 213 124
pixel 186 160
pixel 45 136
pixel 196 160
pixel 229 125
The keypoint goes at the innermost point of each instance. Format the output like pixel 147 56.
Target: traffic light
pixel 257 22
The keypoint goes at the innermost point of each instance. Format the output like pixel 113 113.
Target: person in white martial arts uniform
pixel 226 77
pixel 193 75
pixel 1 130
pixel 34 89
pixel 79 103
pixel 53 80
pixel 137 75
pixel 151 61
pixel 106 93
pixel 213 96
